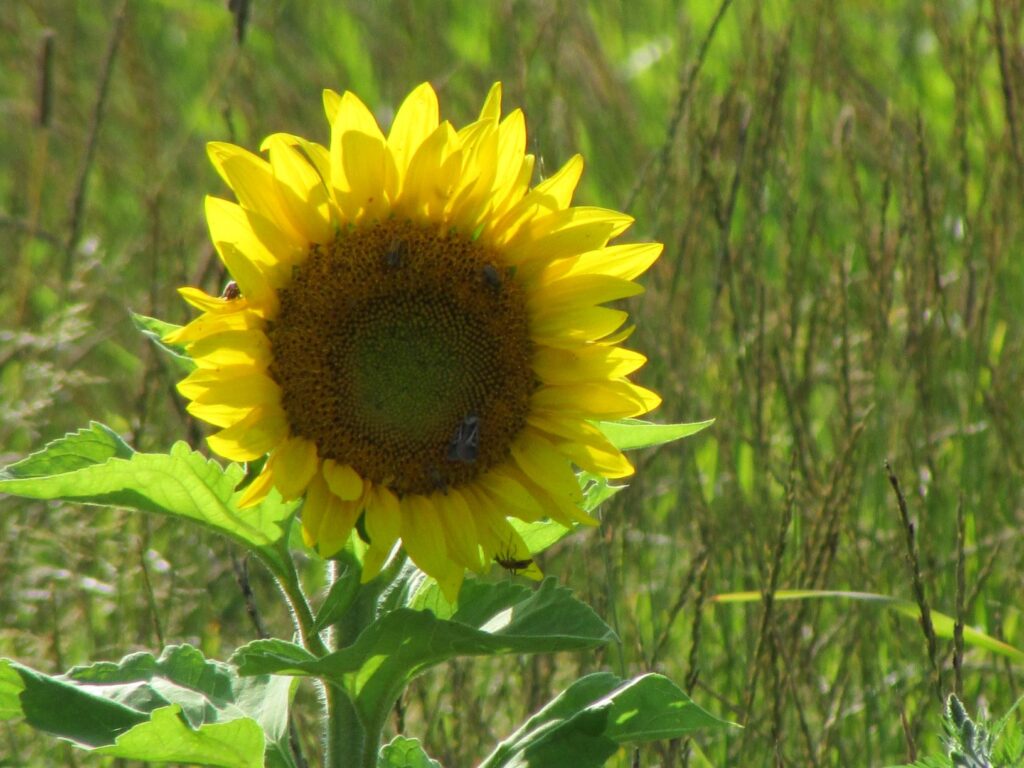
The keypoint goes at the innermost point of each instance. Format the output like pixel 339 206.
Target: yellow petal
pixel 556 506
pixel 317 155
pixel 332 103
pixel 301 189
pixel 543 464
pixel 232 348
pixel 618 337
pixel 433 172
pixel 210 323
pixel 293 463
pixel 314 508
pixel 460 530
pixel 415 120
pixel 204 379
pixel 252 179
pixel 256 434
pixel 509 495
pixel 562 234
pixel 228 401
pixel 591 362
pixel 624 261
pixel 230 235
pixel 423 535
pixel 501 542
pixel 577 292
pixel 257 490
pixel 343 480
pixel 383 526
pixel 559 187
pixel 582 442
pixel 492 104
pixel 359 158
pixel 207 303
pixel 596 400
pixel 472 198
pixel 272 251
pixel 567 329
pixel 336 526
pixel 508 187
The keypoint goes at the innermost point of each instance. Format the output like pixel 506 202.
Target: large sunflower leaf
pixel 94 466
pixel 491 619
pixel 588 722
pixel 179 707
pixel 166 738
pixel 629 434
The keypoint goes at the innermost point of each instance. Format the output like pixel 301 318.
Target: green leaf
pixel 629 434
pixel 179 707
pixel 588 722
pixel 492 618
pixel 166 738
pixel 155 330
pixel 339 599
pixel 93 445
pixel 62 708
pixel 94 466
pixel 596 490
pixel 943 624
pixel 405 753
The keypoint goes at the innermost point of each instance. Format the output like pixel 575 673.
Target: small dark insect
pixel 510 563
pixel 465 444
pixel 492 277
pixel 437 480
pixel 395 255
pixel 231 291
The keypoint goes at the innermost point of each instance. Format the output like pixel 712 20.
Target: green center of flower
pixel 405 354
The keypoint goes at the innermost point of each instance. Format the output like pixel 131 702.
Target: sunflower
pixel 414 334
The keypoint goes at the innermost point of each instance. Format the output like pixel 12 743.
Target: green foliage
pixel 403 642
pixel 587 723
pixel 630 434
pixel 978 744
pixel 94 466
pixel 401 752
pixel 179 707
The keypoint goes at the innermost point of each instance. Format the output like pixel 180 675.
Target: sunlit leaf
pixel 588 722
pixel 179 707
pixel 492 618
pixel 629 434
pixel 93 466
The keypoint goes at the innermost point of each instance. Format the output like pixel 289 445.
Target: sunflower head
pixel 413 334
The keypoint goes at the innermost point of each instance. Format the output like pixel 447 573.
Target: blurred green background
pixel 839 185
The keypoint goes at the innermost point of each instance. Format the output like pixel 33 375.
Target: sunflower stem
pixel 302 613
pixel 346 745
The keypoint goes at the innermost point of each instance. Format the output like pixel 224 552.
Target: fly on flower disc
pixel 465 445
pixel 492 277
pixel 395 256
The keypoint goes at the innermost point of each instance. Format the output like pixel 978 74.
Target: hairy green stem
pixel 346 743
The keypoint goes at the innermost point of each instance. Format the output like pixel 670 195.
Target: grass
pixel 839 187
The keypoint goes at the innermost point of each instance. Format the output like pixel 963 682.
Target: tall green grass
pixel 840 189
